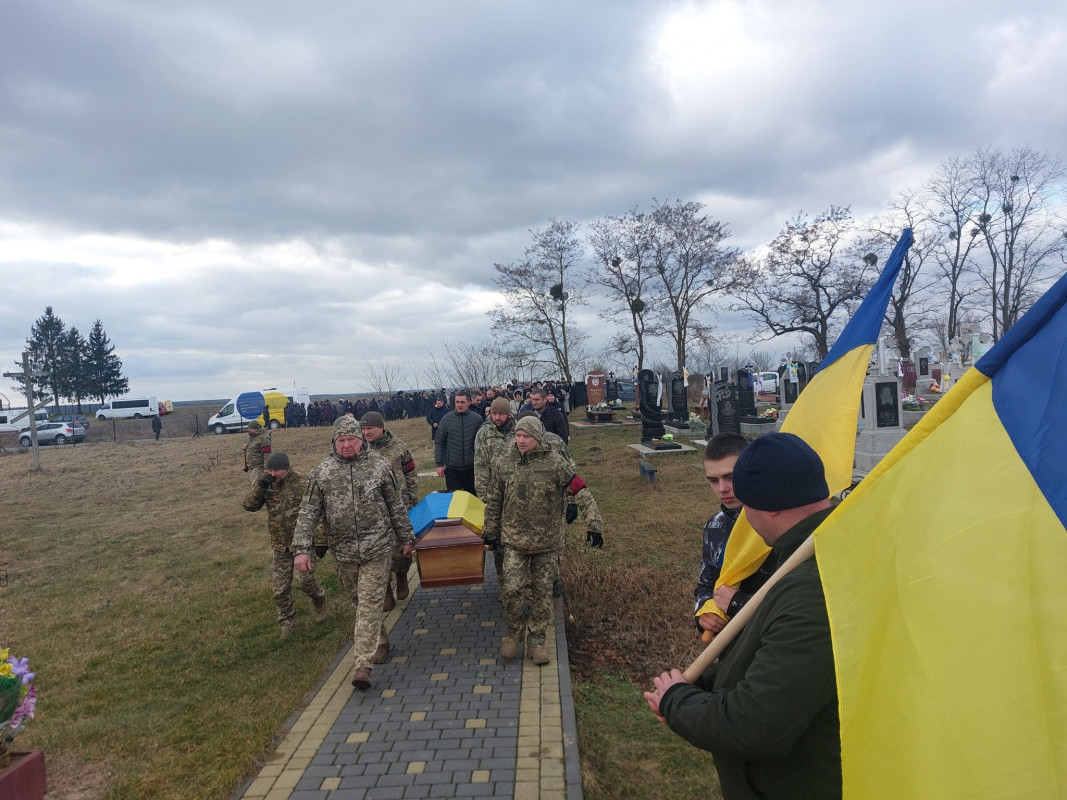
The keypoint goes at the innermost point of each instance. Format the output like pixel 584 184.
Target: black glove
pixel 321 550
pixel 572 512
pixel 595 539
pixel 266 481
pixel 492 544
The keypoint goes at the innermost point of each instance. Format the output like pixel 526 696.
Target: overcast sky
pixel 269 193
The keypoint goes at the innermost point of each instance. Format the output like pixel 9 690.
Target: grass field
pixel 138 587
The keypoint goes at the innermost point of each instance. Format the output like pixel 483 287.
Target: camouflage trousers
pixel 365 586
pixel 281 584
pixel 528 579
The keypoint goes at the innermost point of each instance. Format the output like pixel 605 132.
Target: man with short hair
pixel 256 449
pixel 767 708
pixel 435 414
pixel 453 449
pixel 720 454
pixel 386 444
pixel 528 493
pixel 354 494
pixel 550 416
pixel 280 489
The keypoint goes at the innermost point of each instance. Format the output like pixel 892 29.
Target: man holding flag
pixel 768 709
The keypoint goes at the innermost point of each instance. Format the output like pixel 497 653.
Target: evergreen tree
pixel 75 379
pixel 47 345
pixel 103 369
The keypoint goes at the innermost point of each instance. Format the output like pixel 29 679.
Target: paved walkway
pixel 446 717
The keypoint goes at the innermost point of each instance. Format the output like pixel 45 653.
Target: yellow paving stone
pixel 549 794
pixel 388 692
pixel 467 603
pixel 439 676
pixel 288 779
pixel 448 651
pixel 329 784
pixel 553 784
pixel 420 613
pixel 525 776
pixel 399 659
pixel 552 769
pixel 487 662
pixel 527 763
pixel 279 793
pixel 474 723
pixel 271 771
pixel 358 737
pixel 480 776
pixel 476 588
pixel 417 716
pixel 421 631
pixel 482 689
pixel 416 767
pixel 435 601
pixel 532 743
pixel 489 624
pixel 259 787
pixel 552 750
pixel 527 791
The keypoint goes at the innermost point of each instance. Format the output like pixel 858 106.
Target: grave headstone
pixel 679 401
pixel 651 418
pixel 594 388
pixel 911 375
pixel 746 393
pixel 924 368
pixel 612 390
pixel 724 373
pixel 790 391
pixel 879 426
pixel 887 404
pixel 727 407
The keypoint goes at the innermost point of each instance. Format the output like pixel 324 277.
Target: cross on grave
pixel 27 376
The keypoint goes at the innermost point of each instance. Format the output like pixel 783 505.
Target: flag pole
pixel 737 623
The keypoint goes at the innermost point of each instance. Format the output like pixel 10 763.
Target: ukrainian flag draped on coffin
pixel 825 414
pixel 945 574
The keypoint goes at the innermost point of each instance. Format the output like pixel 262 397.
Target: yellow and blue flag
pixel 945 574
pixel 824 414
pixel 447 505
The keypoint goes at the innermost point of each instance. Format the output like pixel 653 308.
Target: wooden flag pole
pixel 735 625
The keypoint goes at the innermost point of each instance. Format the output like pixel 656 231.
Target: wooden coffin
pixel 450 554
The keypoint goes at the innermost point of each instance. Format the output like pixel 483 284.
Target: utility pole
pixel 26 376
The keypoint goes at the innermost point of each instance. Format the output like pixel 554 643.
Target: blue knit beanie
pixel 779 471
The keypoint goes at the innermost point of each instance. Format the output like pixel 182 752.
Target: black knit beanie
pixel 277 461
pixel 779 471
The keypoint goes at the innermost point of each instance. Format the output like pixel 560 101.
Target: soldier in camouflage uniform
pixel 397 454
pixel 355 494
pixel 281 489
pixel 524 511
pixel 256 449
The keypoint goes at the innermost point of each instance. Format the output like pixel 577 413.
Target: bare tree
pixel 692 266
pixel 809 281
pixel 1022 232
pixel 623 248
pixel 384 375
pixel 539 291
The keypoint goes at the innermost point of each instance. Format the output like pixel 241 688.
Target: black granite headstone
pixel 724 373
pixel 651 418
pixel 887 405
pixel 612 390
pixel 727 407
pixel 746 393
pixel 679 415
pixel 924 367
pixel 790 391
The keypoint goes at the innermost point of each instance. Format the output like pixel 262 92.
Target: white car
pixel 768 383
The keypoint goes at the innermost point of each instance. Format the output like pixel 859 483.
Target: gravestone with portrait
pixel 727 408
pixel 612 388
pixel 651 417
pixel 746 393
pixel 879 427
pixel 594 388
pixel 679 398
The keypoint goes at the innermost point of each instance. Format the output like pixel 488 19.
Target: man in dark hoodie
pixel 453 447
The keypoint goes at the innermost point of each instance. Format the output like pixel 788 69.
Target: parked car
pixel 768 383
pixel 81 419
pixel 55 433
pixel 626 391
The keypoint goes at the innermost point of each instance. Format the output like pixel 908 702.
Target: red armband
pixel 265 448
pixel 409 466
pixel 575 484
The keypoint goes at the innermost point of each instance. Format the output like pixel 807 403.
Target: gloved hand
pixel 265 481
pixel 595 539
pixel 492 544
pixel 321 550
pixel 572 512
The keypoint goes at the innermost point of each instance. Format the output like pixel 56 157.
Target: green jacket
pixel 359 504
pixel 527 500
pixel 767 709
pixel 282 499
pixel 491 443
pixel 397 454
pixel 258 448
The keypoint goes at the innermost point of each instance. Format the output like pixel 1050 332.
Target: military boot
pixel 539 655
pixel 287 629
pixel 361 680
pixel 381 655
pixel 320 610
pixel 402 584
pixel 509 647
pixel 390 601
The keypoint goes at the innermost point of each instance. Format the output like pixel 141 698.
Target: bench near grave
pixel 647 470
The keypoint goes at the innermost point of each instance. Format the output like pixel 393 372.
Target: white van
pixel 247 406
pixel 9 425
pixel 129 408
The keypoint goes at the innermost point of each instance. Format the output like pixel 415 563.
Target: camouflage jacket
pixel 359 504
pixel 282 499
pixel 397 454
pixel 527 498
pixel 257 449
pixel 491 443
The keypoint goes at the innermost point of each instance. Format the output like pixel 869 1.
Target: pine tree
pixel 46 345
pixel 103 369
pixel 75 383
